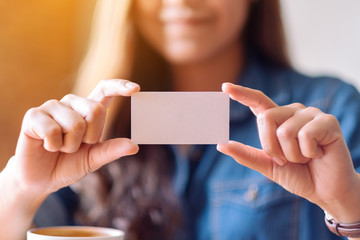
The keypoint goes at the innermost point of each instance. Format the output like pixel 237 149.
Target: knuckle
pixel 264 117
pixel 97 109
pixel 32 113
pixel 332 122
pixel 259 96
pixel 78 126
pixel 312 110
pixel 284 133
pixel 103 82
pixel 122 82
pixel 258 93
pixel 68 98
pixel 297 105
pixel 304 134
pixel 330 119
pixel 50 103
pixel 99 89
pixel 53 131
pixel 269 149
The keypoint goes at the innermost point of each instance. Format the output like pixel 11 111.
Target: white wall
pixel 324 37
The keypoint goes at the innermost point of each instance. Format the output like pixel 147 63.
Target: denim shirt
pixel 225 200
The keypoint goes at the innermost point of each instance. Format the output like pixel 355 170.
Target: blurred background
pixel 324 37
pixel 43 42
pixel 41 45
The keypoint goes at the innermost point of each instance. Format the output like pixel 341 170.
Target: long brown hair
pixel 135 193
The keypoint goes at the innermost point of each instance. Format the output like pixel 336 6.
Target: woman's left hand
pixel 303 151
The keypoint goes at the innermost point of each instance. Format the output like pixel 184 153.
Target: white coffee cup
pixel 74 233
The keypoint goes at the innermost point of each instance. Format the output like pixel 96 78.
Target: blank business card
pixel 179 117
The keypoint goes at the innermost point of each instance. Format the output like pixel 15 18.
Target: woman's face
pixel 191 31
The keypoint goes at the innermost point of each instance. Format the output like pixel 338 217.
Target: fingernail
pixel 131 85
pixel 132 143
pixel 219 146
pixel 223 86
pixel 133 146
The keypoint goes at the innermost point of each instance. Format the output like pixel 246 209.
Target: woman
pixel 191 192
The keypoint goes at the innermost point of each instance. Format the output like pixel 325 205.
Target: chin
pixel 184 59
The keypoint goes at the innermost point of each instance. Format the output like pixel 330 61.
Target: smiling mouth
pixel 183 16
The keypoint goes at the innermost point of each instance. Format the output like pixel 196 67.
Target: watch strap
pixel 342 229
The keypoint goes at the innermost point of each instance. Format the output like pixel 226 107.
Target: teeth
pixel 176 13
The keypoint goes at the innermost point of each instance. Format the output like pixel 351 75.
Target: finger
pixel 103 153
pixel 288 133
pixel 92 112
pixel 322 131
pixel 268 123
pixel 255 99
pixel 250 157
pixel 107 89
pixel 39 125
pixel 72 124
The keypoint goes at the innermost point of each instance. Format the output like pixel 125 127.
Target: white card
pixel 179 117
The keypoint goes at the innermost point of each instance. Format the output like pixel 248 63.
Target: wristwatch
pixel 351 230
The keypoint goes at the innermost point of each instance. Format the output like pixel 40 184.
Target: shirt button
pixel 251 193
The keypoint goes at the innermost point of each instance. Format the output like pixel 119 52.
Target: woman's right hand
pixel 59 141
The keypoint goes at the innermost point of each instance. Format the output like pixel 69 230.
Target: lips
pixel 181 15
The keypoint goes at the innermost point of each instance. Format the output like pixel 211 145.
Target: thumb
pixel 248 156
pixel 105 152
